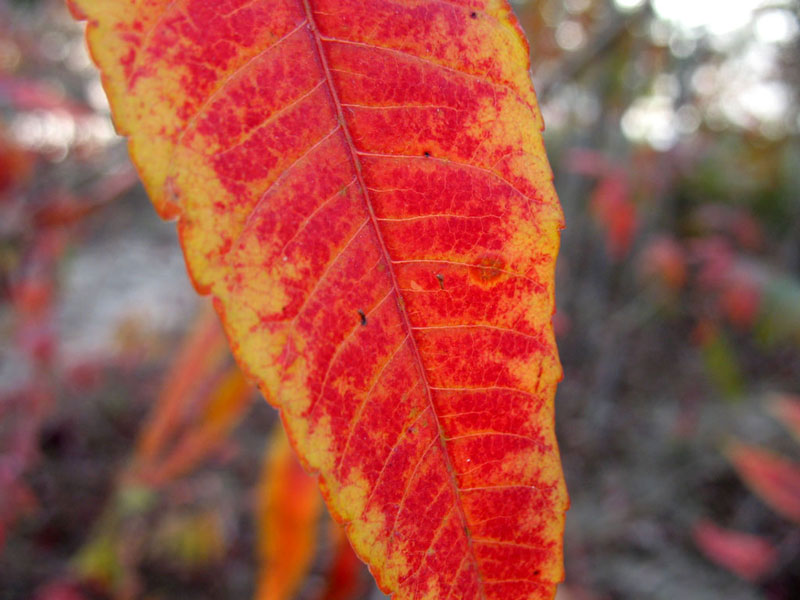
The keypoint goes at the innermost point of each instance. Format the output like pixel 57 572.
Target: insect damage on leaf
pixel 384 157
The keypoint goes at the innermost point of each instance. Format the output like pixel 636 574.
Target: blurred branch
pixel 574 64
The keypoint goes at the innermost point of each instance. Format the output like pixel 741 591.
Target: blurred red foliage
pixel 749 556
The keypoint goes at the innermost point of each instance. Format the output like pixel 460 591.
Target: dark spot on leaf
pixel 473 14
pixel 440 277
pixel 363 316
pixel 427 154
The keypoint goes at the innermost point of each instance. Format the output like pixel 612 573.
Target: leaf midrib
pixel 354 157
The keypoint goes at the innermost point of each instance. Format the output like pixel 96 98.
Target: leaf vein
pixel 394 448
pixel 359 411
pixel 224 84
pixel 479 326
pixel 435 216
pixel 339 347
pixel 427 61
pixel 311 216
pixel 495 174
pixel 403 314
pixel 284 174
pixel 464 264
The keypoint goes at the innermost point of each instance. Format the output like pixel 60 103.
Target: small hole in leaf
pixel 426 153
pixel 473 14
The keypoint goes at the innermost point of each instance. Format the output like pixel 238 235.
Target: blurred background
pixel 136 462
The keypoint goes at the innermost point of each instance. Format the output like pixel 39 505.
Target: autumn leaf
pixel 663 262
pixel 204 397
pixel 200 353
pixel 361 186
pixel 748 556
pixel 223 406
pixel 288 512
pixel 343 579
pixel 615 213
pixel 610 204
pixel 774 478
pixel 16 166
pixel 59 590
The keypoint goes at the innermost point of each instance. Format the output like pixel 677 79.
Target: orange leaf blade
pixel 362 187
pixel 343 577
pixel 203 398
pixel 288 512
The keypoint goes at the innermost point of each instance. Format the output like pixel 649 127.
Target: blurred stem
pixel 604 42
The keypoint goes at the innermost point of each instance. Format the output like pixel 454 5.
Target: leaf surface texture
pixel 361 186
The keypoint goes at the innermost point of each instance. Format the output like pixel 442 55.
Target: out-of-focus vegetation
pixel 131 451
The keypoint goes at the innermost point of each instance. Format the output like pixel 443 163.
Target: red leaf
pixel 203 398
pixel 614 211
pixel 748 556
pixel 201 351
pixel 664 260
pixel 610 203
pixel 774 478
pixel 16 165
pixel 786 409
pixel 361 186
pixel 59 590
pixel 740 303
pixel 344 576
